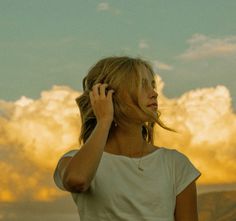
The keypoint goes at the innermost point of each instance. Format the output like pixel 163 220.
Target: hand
pixel 102 104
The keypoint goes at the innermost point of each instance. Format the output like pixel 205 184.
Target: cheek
pixel 136 114
pixel 143 101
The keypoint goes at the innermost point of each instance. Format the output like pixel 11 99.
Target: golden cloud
pixel 35 133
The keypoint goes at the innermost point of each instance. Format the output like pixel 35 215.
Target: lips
pixel 153 104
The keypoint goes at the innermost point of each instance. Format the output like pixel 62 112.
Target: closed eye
pixel 145 83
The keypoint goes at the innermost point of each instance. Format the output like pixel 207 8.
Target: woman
pixel 118 173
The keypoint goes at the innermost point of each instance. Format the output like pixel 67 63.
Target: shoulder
pixel 174 155
pixel 61 166
pixel 173 152
pixel 167 150
pixel 70 153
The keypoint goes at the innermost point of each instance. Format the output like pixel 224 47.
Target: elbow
pixel 74 184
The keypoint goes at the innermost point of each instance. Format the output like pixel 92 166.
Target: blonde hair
pixel 115 71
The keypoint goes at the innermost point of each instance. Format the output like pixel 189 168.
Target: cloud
pixel 206 123
pixel 158 65
pixel 35 133
pixel 202 47
pixel 143 44
pixel 103 6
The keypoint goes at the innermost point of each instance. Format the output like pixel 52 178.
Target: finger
pixel 91 97
pixel 110 93
pixel 102 90
pixel 96 90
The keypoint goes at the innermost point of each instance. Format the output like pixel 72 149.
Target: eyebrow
pixel 145 79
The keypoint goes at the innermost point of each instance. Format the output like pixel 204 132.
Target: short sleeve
pixel 56 175
pixel 184 171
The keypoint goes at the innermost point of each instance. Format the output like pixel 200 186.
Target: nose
pixel 154 94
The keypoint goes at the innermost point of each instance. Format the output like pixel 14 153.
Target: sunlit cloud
pixel 35 133
pixel 206 123
pixel 158 65
pixel 143 44
pixel 202 47
pixel 103 6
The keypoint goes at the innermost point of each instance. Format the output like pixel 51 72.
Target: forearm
pixel 83 166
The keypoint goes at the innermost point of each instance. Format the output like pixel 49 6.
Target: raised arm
pixel 83 166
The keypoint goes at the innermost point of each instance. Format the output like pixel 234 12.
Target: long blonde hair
pixel 122 74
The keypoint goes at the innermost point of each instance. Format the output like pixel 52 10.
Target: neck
pixel 127 141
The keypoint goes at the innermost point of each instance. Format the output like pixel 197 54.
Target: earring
pixel 115 124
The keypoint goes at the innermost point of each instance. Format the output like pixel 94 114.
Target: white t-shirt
pixel 121 192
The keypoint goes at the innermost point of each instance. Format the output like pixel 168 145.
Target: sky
pixel 47 47
pixel 191 44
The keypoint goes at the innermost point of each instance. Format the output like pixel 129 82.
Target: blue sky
pixel 191 44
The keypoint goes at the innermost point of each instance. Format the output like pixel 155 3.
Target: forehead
pixel 145 74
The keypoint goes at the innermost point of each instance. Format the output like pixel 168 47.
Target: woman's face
pixel 148 89
pixel 147 96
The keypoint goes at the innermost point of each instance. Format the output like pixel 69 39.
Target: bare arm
pixel 186 204
pixel 83 166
